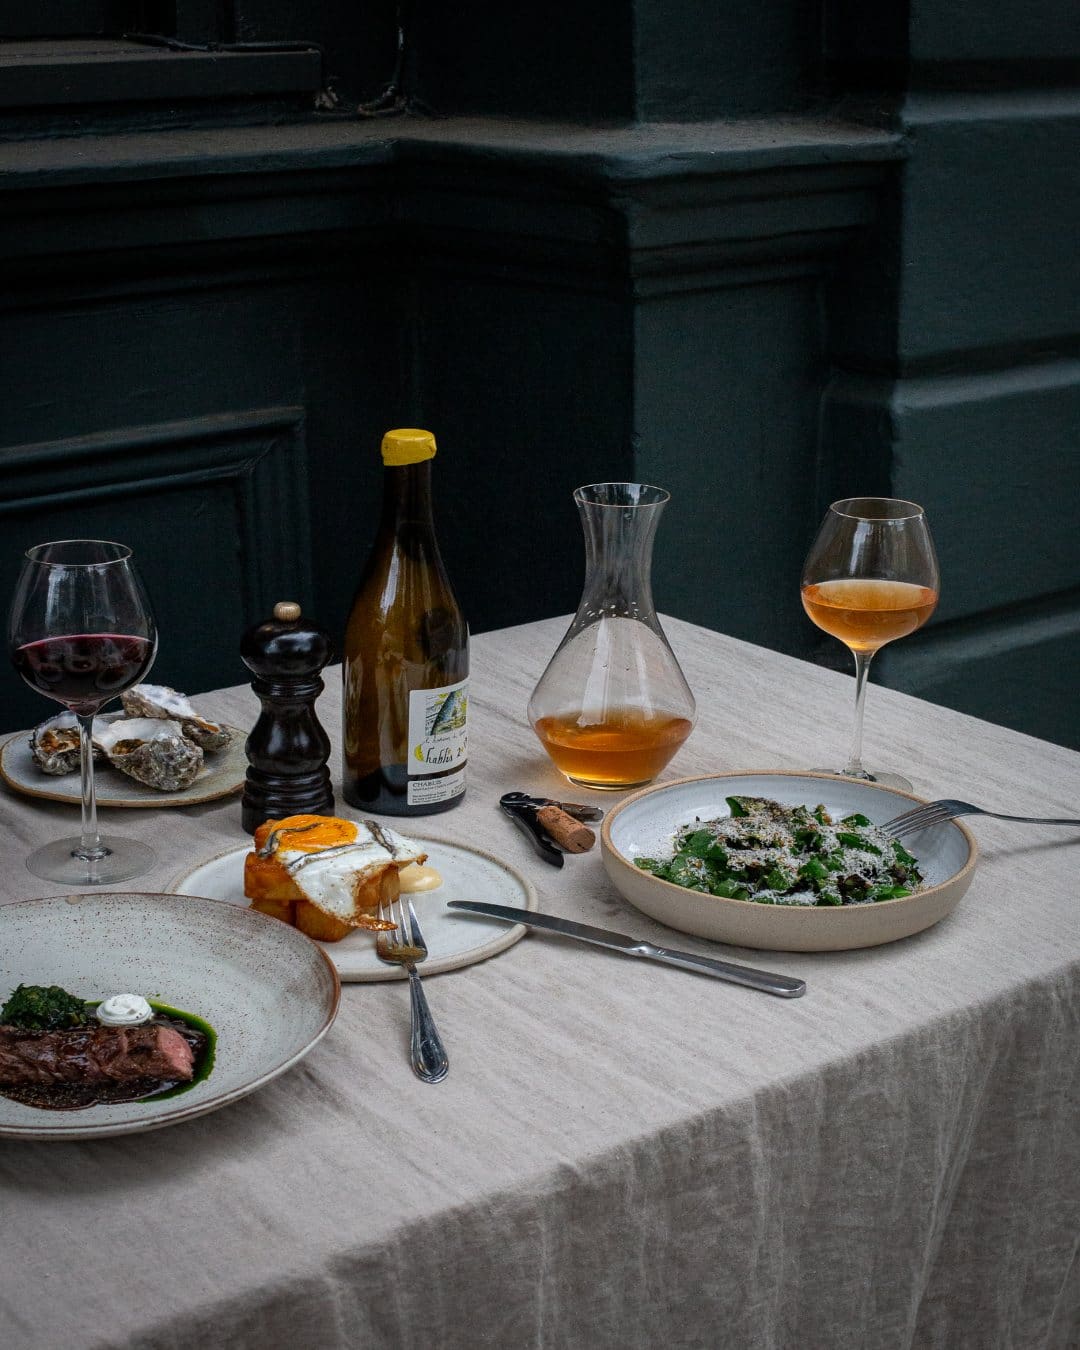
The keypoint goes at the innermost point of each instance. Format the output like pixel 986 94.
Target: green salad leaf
pixel 788 855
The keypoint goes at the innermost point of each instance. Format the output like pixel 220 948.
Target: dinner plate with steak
pixel 124 1012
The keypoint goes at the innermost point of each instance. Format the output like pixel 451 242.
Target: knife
pixel 781 985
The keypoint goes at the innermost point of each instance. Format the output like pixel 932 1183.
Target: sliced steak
pixel 94 1054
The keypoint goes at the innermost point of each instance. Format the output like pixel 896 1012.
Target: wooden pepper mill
pixel 287 749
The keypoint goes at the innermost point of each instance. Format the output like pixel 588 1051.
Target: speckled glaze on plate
pixel 222 774
pixel 453 940
pixel 269 992
pixel 644 825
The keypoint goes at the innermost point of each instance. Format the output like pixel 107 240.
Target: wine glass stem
pixel 90 849
pixel 854 766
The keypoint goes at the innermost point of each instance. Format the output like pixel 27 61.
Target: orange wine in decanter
pixel 629 746
pixel 613 706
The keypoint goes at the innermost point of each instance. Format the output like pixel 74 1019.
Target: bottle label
pixel 438 741
pixel 424 791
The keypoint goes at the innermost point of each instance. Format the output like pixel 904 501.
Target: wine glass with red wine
pixel 871 576
pixel 80 631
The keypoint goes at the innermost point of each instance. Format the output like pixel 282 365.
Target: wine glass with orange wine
pixel 871 576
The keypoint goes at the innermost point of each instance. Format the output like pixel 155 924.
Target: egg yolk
pixel 322 832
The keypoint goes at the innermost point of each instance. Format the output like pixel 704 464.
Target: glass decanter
pixel 613 707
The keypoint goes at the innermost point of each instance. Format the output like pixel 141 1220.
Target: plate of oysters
pixel 158 751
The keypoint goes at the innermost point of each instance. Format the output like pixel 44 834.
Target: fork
pixel 933 813
pixel 404 945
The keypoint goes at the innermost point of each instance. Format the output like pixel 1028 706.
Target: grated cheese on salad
pixel 788 855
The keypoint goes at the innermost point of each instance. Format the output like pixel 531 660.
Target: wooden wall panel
pixel 1000 497
pixel 197 501
pixel 734 439
pixel 553 411
pixel 955 332
pixel 1025 660
pixel 560 304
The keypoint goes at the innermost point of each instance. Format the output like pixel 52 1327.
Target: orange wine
pixel 867 614
pixel 628 747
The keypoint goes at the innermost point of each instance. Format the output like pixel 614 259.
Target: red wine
pixel 85 670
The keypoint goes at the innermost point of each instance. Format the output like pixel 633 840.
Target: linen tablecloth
pixel 623 1155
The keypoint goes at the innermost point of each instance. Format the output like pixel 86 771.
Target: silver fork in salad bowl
pixel 404 945
pixel 933 813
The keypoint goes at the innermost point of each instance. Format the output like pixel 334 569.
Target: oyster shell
pixel 158 700
pixel 151 750
pixel 54 745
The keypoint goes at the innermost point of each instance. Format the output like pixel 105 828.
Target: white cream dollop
pixel 414 877
pixel 124 1010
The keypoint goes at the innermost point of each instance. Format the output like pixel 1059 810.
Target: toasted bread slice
pixel 277 909
pixel 322 927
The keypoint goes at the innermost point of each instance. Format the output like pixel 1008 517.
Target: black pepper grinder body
pixel 288 748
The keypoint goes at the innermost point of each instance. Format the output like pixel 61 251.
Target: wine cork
pixel 571 834
pixel 286 611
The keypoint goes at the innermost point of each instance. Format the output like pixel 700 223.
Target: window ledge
pixel 79 71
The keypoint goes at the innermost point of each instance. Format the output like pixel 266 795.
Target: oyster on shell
pixel 150 750
pixel 158 700
pixel 54 745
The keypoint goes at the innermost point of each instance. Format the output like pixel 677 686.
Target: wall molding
pixel 677 205
pixel 258 454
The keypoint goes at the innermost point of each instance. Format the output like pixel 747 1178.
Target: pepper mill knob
pixel 287 749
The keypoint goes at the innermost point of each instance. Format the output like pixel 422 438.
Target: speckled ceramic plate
pixel 222 774
pixel 644 826
pixel 467 873
pixel 269 992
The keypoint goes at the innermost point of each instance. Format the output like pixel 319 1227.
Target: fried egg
pixel 339 866
pixel 333 865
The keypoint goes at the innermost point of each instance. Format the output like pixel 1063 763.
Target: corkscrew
pixel 539 818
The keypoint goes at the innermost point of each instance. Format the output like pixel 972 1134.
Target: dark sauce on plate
pixel 200 1035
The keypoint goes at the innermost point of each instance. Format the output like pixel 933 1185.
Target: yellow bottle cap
pixel 407 445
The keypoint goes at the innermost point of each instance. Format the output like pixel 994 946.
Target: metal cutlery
pixel 783 986
pixel 934 813
pixel 404 945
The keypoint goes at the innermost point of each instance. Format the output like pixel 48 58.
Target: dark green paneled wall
pixel 734 439
pixel 955 333
pixel 710 249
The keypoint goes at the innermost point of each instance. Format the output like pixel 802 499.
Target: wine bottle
pixel 406 653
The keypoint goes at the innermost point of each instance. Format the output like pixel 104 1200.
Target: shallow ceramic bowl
pixel 645 824
pixel 268 991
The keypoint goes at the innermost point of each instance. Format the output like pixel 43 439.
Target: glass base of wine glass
pixel 60 861
pixel 893 780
